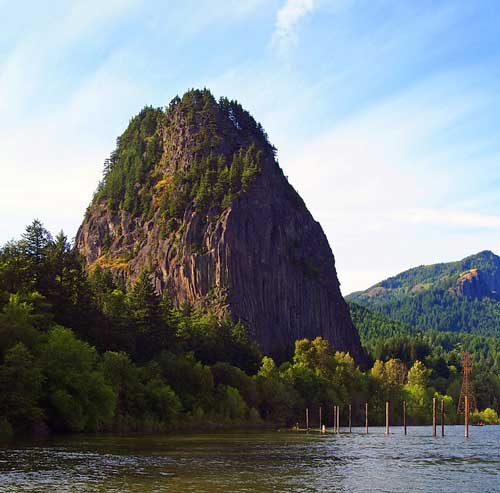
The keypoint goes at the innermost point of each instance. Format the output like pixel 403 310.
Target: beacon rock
pixel 194 193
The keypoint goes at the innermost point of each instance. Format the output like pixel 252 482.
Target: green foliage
pixel 133 361
pixel 79 397
pixel 268 368
pixel 439 352
pixel 212 340
pixel 278 397
pixel 372 325
pixel 315 355
pixel 222 153
pixel 162 401
pixel 189 378
pixel 127 171
pixel 488 416
pixel 433 298
pixel 23 263
pixel 442 275
pixel 229 403
pixel 145 313
pixel 417 375
pixel 21 388
pixel 17 324
pixel 232 376
pixel 386 381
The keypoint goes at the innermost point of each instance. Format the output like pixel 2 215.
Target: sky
pixel 386 115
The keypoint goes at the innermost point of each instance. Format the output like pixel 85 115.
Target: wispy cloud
pixel 385 182
pixel 55 132
pixel 451 218
pixel 31 72
pixel 70 85
pixel 287 22
pixel 54 161
pixel 396 161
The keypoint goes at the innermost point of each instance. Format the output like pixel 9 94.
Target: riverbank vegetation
pixel 80 352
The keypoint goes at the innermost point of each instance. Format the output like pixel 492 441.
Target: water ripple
pixel 257 462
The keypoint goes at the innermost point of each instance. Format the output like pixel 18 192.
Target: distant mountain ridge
pixel 455 296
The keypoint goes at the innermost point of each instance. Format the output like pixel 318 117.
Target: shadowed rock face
pixel 259 258
pixel 476 283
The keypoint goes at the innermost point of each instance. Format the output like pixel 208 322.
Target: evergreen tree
pixel 34 247
pixel 152 335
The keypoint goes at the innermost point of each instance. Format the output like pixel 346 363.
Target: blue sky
pixel 385 114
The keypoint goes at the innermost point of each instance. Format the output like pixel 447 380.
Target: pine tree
pixel 235 173
pixel 150 330
pixel 34 246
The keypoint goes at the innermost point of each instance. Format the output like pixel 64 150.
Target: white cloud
pixel 287 21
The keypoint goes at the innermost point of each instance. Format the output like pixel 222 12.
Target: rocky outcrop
pixel 475 283
pixel 260 257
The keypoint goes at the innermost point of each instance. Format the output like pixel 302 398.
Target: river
pixel 257 462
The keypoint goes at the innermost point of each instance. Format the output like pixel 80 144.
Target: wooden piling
pixel 350 418
pixel 404 416
pixel 320 417
pixel 466 422
pixel 366 418
pixel 338 419
pixel 307 418
pixel 434 420
pixel 386 417
pixel 442 418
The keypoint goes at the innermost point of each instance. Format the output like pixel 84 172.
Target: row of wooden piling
pixel 336 418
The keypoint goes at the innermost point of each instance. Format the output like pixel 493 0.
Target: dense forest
pixel 462 296
pixel 441 352
pixel 81 352
pixel 139 177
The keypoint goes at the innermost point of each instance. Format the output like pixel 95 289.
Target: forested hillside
pixel 384 338
pixel 461 296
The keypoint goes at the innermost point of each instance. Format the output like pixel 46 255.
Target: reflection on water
pixel 257 462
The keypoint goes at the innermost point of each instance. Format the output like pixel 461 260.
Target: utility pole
pixel 467 390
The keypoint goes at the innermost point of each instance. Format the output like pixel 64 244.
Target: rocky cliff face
pixel 475 283
pixel 195 194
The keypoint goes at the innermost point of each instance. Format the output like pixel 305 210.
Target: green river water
pixel 257 462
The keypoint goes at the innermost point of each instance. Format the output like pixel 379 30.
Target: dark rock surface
pixel 262 260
